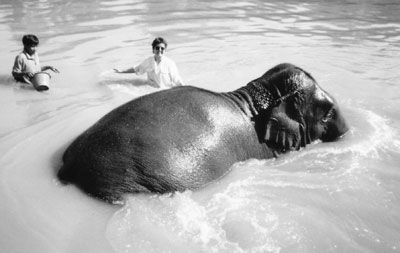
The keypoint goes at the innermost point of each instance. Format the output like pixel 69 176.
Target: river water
pixel 328 197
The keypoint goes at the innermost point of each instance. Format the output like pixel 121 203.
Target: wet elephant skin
pixel 187 137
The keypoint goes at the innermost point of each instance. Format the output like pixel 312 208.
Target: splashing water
pixel 328 197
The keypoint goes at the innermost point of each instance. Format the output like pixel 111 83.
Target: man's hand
pixel 29 75
pixel 54 69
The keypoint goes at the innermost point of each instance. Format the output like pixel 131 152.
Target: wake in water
pixel 329 196
pixel 129 84
pixel 303 201
pixel 339 197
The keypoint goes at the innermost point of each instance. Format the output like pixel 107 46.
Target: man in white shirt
pixel 161 70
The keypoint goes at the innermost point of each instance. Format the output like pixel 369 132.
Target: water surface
pixel 335 197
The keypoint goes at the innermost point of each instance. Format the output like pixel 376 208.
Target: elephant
pixel 185 138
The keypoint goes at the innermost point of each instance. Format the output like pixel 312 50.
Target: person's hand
pixel 30 75
pixel 54 70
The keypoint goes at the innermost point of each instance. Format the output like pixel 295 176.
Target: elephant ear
pixel 261 96
pixel 282 132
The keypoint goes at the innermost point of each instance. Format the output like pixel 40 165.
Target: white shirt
pixel 164 74
pixel 26 63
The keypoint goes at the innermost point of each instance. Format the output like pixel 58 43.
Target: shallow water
pixel 335 197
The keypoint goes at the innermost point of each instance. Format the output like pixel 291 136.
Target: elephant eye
pixel 328 116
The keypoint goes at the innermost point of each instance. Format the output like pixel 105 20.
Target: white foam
pixel 180 223
pixel 129 84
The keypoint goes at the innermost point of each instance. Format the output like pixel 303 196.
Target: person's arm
pixel 17 72
pixel 139 70
pixel 21 75
pixel 130 70
pixel 178 82
pixel 175 77
pixel 51 68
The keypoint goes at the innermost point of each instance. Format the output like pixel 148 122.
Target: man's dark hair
pixel 159 40
pixel 30 40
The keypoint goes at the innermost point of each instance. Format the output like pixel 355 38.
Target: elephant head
pixel 293 110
